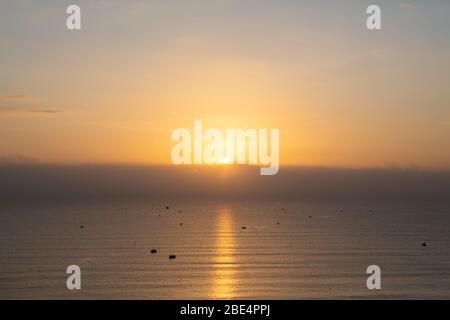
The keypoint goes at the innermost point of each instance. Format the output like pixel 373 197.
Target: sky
pixel 341 95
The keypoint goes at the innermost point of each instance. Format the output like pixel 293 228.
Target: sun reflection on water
pixel 224 275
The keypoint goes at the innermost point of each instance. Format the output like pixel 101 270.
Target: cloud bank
pixel 33 182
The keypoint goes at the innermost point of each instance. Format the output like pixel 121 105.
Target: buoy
pixel 172 256
pixel 424 244
pixel 244 228
pixel 153 251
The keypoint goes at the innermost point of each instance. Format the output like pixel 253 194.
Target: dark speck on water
pixel 153 251
pixel 424 244
pixel 167 207
pixel 244 227
pixel 172 256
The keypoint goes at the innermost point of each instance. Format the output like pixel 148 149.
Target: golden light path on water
pixel 224 275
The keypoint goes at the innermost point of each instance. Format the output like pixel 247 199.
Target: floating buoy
pixel 244 227
pixel 172 256
pixel 153 251
pixel 424 244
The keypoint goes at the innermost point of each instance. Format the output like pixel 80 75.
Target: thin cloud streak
pixel 18 104
pixel 21 111
pixel 17 97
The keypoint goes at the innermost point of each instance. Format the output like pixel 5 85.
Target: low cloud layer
pixel 47 182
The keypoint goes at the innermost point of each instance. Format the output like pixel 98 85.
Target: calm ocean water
pixel 289 250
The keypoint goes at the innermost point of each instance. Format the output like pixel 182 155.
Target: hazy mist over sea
pixel 96 182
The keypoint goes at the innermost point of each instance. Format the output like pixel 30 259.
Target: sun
pixel 226 160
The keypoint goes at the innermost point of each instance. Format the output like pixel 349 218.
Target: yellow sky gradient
pixel 340 96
